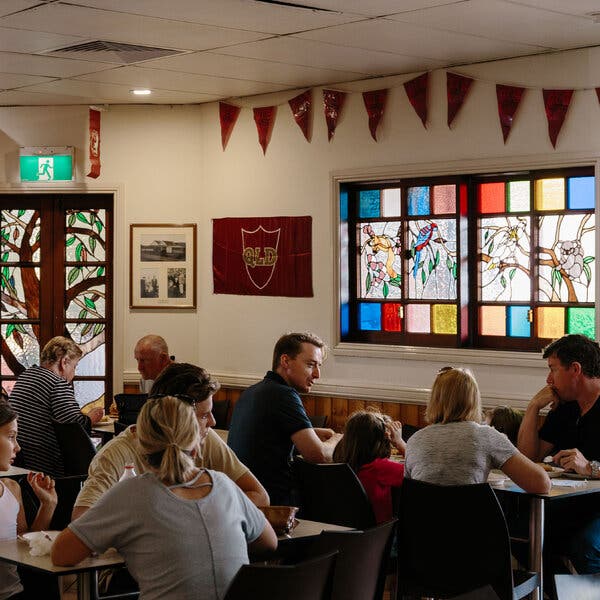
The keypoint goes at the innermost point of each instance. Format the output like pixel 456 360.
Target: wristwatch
pixel 595 468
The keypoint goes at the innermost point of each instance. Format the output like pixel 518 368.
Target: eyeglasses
pixel 183 397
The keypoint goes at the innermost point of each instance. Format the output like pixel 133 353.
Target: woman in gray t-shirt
pixel 183 531
pixel 456 449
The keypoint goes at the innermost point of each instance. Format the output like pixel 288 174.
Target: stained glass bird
pixel 423 239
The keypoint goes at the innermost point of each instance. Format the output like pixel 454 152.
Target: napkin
pixel 40 542
pixel 567 483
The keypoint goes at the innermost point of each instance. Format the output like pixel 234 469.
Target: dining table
pixel 562 487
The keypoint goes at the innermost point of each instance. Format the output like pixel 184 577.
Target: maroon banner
pixel 228 114
pixel 457 88
pixel 301 107
pixel 94 144
pixel 333 102
pixel 375 101
pixel 264 117
pixel 263 256
pixel 598 93
pixel 556 103
pixel 416 90
pixel 508 97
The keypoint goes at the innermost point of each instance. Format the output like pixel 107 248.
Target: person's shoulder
pixel 12 486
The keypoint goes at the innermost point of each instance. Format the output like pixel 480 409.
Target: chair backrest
pixel 308 580
pixel 220 411
pixel 120 427
pixel 129 406
pixel 408 430
pixel 332 493
pixel 76 447
pixel 361 565
pixel 454 538
pixel 318 420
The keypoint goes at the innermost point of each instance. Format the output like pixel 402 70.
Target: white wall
pixel 167 166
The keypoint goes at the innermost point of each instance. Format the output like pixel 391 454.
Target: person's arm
pixel 43 487
pixel 68 549
pixel 265 542
pixel 573 460
pixel 253 489
pixel 529 441
pixel 394 433
pixel 312 448
pixel 526 474
pixel 323 433
pixel 64 407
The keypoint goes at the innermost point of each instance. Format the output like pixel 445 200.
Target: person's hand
pixel 572 460
pixel 43 487
pixel 394 434
pixel 96 415
pixel 546 396
pixel 324 433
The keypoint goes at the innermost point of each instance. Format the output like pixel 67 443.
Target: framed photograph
pixel 162 266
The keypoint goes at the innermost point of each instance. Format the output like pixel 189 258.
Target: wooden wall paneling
pixel 323 406
pixel 309 405
pixel 393 410
pixel 339 413
pixel 354 405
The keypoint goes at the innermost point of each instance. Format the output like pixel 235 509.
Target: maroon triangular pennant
pixel 375 101
pixel 301 107
pixel 598 93
pixel 228 114
pixel 457 88
pixel 509 97
pixel 556 103
pixel 264 117
pixel 333 102
pixel 94 148
pixel 416 90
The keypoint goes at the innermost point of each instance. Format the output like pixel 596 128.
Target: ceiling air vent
pixel 114 52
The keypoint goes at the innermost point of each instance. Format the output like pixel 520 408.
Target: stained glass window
pixel 508 263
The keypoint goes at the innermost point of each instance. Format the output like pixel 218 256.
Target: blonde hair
pixel 59 347
pixel 454 397
pixel 168 432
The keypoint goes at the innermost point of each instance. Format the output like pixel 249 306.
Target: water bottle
pixel 128 472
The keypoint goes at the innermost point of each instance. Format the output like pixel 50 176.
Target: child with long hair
pixel 367 447
pixel 12 513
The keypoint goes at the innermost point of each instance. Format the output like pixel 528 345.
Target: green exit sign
pixel 46 164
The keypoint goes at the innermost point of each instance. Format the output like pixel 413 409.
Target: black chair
pixel 76 447
pixel 220 411
pixel 308 580
pixel 454 539
pixel 361 565
pixel 332 493
pixel 129 406
pixel 318 420
pixel 119 427
pixel 577 587
pixel 408 430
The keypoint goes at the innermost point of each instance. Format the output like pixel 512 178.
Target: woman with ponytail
pixel 183 531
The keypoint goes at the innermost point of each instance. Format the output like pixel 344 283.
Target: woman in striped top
pixel 44 393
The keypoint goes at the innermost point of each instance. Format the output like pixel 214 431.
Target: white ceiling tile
pixel 30 64
pixel 293 50
pixel 121 27
pixel 17 40
pixel 375 7
pixel 572 7
pixel 9 80
pixel 490 19
pixel 241 14
pixel 23 98
pixel 10 6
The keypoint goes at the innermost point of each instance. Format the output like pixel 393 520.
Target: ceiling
pixel 234 48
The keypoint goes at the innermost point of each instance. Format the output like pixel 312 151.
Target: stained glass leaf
pixel 9 329
pixel 87 327
pixel 78 250
pixel 368 282
pixel 100 271
pixel 98 328
pixel 89 303
pixel 503 281
pixel 430 266
pixel 99 226
pixel 423 276
pixel 71 220
pixel 81 217
pixel 437 258
pixel 588 259
pixel 70 241
pixel 512 273
pixel 588 272
pixel 82 314
pixel 20 213
pixel 92 244
pixel 386 289
pixel 73 274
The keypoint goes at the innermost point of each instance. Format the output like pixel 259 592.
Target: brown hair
pixel 185 378
pixel 59 347
pixel 7 413
pixel 365 439
pixel 454 397
pixel 291 344
pixel 506 420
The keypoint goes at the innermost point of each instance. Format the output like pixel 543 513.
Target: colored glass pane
pixel 343 205
pixel 581 193
pixel 418 318
pixel 517 321
pixel 22 343
pixel 85 235
pixel 86 333
pixel 491 197
pixel 391 202
pixel 380 261
pixel 444 318
pixel 550 194
pixel 88 391
pixel 368 204
pixel 344 263
pixel 433 270
pixel 581 320
pixel 551 322
pixel 567 266
pixel 519 193
pixel 345 318
pixel 444 199
pixel 391 317
pixel 369 316
pixel 87 304
pixel 418 201
pixel 20 235
pixel 92 363
pixel 492 320
pixel 14 282
pixel 504 263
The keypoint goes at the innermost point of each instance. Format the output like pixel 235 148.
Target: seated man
pixel 269 418
pixel 571 432
pixel 189 382
pixel 152 356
